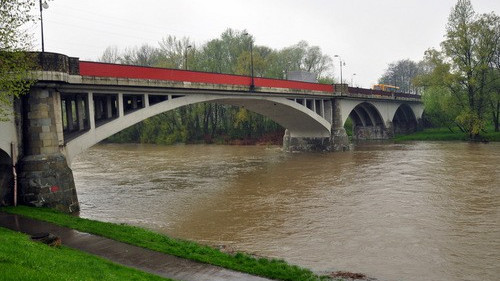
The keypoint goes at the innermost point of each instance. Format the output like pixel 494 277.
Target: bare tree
pixel 110 55
pixel 145 55
pixel 401 74
pixel 173 51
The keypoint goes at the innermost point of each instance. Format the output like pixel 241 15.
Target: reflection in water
pixel 413 211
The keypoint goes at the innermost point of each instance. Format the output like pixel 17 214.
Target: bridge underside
pixel 376 120
pixel 404 121
pixel 309 122
pixel 304 118
pixel 367 123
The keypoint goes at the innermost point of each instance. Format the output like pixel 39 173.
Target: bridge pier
pixel 45 180
pixel 292 144
pixel 337 141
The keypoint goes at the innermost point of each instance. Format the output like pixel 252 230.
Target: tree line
pixel 460 83
pixel 230 53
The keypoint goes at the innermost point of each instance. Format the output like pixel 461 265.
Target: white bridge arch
pixel 386 110
pixel 306 118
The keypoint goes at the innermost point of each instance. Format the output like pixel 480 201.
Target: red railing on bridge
pixel 140 72
pixel 99 69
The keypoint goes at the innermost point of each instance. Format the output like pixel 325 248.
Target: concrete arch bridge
pixel 76 104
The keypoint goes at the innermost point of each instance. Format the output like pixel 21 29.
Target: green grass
pixel 271 268
pixel 23 259
pixel 444 134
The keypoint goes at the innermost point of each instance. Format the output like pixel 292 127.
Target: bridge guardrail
pixel 371 92
pixel 73 66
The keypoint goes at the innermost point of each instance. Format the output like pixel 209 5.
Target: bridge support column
pixel 339 140
pixel 389 128
pixel 292 144
pixel 80 108
pixel 45 180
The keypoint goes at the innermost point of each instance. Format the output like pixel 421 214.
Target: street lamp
pixel 43 5
pixel 341 63
pixel 341 81
pixel 186 56
pixel 252 85
pixel 352 79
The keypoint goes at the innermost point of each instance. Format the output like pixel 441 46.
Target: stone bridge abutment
pixel 44 177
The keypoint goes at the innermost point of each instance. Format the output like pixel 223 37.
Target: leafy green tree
pixel 15 63
pixel 243 65
pixel 494 83
pixel 461 83
pixel 470 45
pixel 494 97
pixel 440 106
pixel 221 54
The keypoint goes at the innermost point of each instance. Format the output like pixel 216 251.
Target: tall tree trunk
pixel 214 120
pixel 496 116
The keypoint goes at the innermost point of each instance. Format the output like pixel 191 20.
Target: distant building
pixel 303 76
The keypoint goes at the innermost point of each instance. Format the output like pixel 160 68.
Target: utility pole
pixel 43 5
pixel 186 57
pixel 252 84
pixel 341 81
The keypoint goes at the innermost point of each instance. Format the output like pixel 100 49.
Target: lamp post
pixel 341 62
pixel 341 81
pixel 186 56
pixel 43 5
pixel 352 79
pixel 252 85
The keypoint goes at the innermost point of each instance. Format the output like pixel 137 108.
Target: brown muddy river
pixel 411 211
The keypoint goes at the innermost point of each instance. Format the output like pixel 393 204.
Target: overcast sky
pixel 367 34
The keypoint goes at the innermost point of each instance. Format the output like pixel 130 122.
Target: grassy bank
pixel 275 269
pixel 444 134
pixel 23 259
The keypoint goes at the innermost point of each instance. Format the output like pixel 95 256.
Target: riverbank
pixel 23 259
pixel 271 268
pixel 444 134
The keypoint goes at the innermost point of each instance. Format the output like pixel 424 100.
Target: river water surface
pixel 410 211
